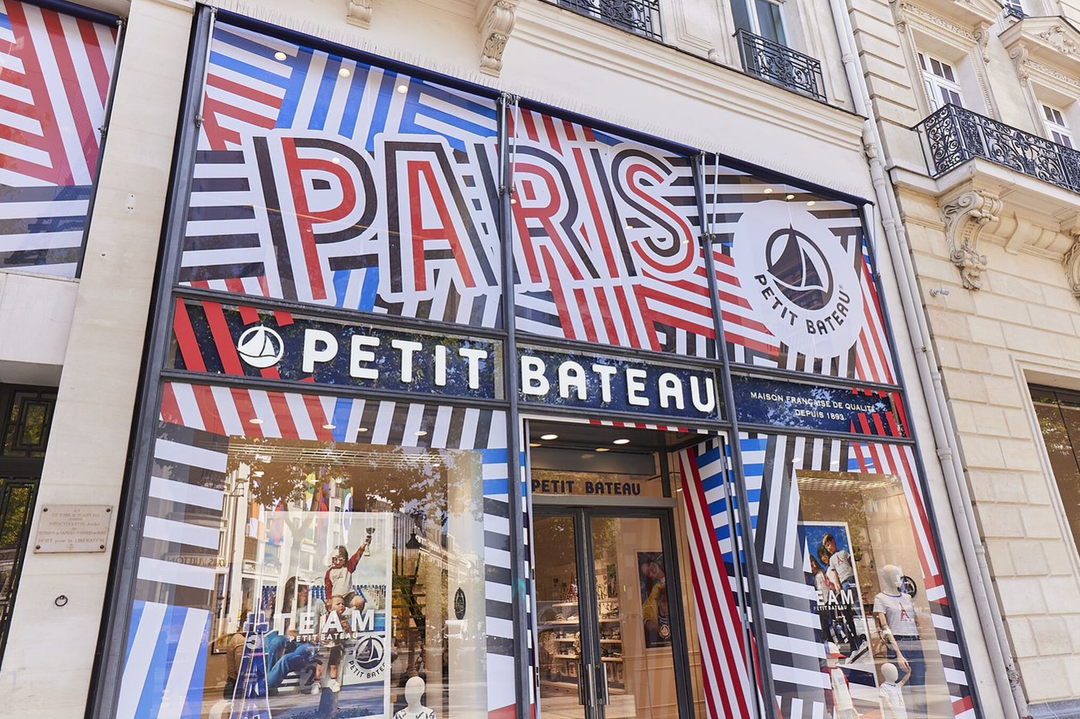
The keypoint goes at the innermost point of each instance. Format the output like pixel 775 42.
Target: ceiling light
pixel 768 190
pixel 790 197
pixel 621 441
pixel 258 473
pixel 811 203
pixel 603 449
pixel 513 200
pixel 344 72
pixel 549 437
pixel 403 89
pixel 535 444
pixel 255 420
pixel 328 426
pixel 361 429
pixel 280 56
pixel 421 432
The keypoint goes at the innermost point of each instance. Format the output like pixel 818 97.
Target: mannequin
pixel 890 694
pixel 843 705
pixel 414 692
pixel 895 615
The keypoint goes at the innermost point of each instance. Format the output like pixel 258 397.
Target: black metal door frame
pixel 588 606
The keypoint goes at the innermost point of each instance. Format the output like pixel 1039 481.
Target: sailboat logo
pixel 260 347
pixel 799 268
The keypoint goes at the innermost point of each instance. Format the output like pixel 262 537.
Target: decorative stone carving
pixel 494 33
pixel 910 10
pixel 1019 56
pixel 1057 37
pixel 965 219
pixel 1051 72
pixel 1071 261
pixel 359 13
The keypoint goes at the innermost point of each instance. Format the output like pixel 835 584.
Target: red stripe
pixel 879 426
pixel 553 137
pixel 96 58
pixel 925 545
pixel 170 408
pixel 283 415
pixel 594 210
pixel 235 285
pixel 628 321
pixel 223 340
pixel 283 319
pixel 211 418
pixel 586 315
pixel 568 128
pixel 318 418
pixel 244 91
pixel 185 339
pixel 605 314
pixel 88 136
pixel 530 126
pixel 557 294
pixel 246 411
pixel 248 315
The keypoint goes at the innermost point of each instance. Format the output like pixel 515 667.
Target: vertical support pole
pixel 745 536
pixel 519 596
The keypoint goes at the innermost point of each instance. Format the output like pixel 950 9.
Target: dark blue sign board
pixel 628 386
pixel 777 403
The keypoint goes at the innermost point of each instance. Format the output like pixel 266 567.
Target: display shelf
pixel 611 641
pixel 611 659
pixel 565 656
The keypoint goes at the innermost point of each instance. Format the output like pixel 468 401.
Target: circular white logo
pixel 799 281
pixel 260 347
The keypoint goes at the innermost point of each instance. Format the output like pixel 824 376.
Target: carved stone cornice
pixel 1045 46
pixel 495 28
pixel 965 218
pixel 964 20
pixel 359 13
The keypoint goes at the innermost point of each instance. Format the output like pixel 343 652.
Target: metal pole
pixel 518 575
pixel 745 533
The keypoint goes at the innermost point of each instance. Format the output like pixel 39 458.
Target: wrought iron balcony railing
pixel 641 17
pixel 780 65
pixel 952 136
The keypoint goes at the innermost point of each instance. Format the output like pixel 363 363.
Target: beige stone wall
pixel 1024 325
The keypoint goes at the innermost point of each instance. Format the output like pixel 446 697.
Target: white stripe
pixel 139 657
pixel 35 210
pixel 189 408
pixel 170 451
pixel 183 493
pixel 181 533
pixel 156 570
pixel 188 649
pixel 227 414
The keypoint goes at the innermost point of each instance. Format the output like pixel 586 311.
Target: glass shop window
pixel 348 579
pixel 1059 420
pixel 864 641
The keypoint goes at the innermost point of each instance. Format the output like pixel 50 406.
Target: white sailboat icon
pixel 260 347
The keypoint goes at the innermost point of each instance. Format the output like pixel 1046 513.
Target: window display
pixel 341 575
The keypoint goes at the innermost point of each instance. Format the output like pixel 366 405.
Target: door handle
pixel 582 674
pixel 601 670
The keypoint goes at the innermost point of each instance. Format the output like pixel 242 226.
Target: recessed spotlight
pixel 810 203
pixel 535 444
pixel 768 190
pixel 403 89
pixel 344 72
pixel 436 465
pixel 335 160
pixel 790 197
pixel 513 200
pixel 361 429
pixel 280 56
pixel 328 426
pixel 259 473
pixel 603 449
pixel 629 228
pixel 549 437
pixel 421 432
pixel 255 420
pixel 621 441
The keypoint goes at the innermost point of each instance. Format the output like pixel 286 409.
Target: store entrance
pixel 606 615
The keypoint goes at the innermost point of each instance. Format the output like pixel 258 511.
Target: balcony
pixel 780 65
pixel 641 17
pixel 952 136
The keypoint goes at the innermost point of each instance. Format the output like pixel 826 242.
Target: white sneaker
pixel 334 685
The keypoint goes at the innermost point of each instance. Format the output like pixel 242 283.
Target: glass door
pixel 608 625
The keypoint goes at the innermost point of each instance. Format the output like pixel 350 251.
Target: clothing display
pixel 899 614
pixel 892 701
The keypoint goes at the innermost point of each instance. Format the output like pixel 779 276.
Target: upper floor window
pixel 764 18
pixel 940 80
pixel 1014 8
pixel 641 17
pixel 1057 129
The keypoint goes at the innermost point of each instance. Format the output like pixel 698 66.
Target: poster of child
pixel 655 615
pixel 322 651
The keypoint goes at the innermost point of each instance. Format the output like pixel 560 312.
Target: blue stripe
pixel 493 456
pixel 382 109
pixel 341 286
pixel 194 700
pixel 5 22
pixel 496 487
pixel 47 224
pixel 753 470
pixel 325 94
pixel 244 69
pixel 369 290
pixel 709 457
pixel 352 103
pixel 227 36
pixel 294 87
pixel 342 410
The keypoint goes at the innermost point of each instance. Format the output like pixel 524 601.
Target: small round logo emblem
pixel 260 347
pixel 459 604
pixel 369 653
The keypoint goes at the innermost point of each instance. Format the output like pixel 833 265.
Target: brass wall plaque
pixel 73 528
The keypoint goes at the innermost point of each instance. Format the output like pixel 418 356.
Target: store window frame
pixel 115 623
pixel 1036 392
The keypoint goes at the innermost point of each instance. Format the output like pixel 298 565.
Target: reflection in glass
pixel 559 619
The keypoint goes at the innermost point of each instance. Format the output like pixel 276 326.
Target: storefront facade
pixel 343 398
